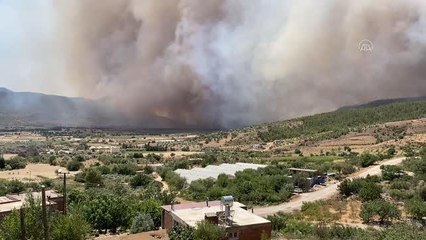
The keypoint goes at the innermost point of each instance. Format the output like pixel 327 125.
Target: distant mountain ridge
pixel 24 109
pixel 27 109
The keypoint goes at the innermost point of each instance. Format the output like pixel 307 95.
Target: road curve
pixel 324 193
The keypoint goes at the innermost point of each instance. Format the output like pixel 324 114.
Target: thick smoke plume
pixel 228 63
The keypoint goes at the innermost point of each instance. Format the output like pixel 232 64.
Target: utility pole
pixel 65 194
pixel 22 218
pixel 44 213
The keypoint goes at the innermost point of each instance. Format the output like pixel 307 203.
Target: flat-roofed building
pixel 240 225
pixel 9 203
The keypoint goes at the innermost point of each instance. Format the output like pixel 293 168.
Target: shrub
pixel 137 155
pixel 140 180
pixel 349 187
pixel 142 223
pixel 391 151
pixel 390 172
pixel 185 149
pixel 299 228
pixel 316 211
pixel 400 184
pixel 2 163
pixel 279 221
pixel 367 159
pixel 79 158
pixel 124 169
pixel 416 208
pixel 422 193
pixel 73 165
pixel 179 232
pixel 348 169
pixel 336 232
pixel 403 232
pixel 69 227
pixel 15 186
pixel 208 231
pixel 17 163
pixel 104 169
pixel 148 170
pixel 401 194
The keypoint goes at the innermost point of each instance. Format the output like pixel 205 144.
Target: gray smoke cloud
pixel 228 63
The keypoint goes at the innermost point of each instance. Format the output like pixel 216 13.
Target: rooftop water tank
pixel 227 200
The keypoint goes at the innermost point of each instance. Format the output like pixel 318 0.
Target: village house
pixel 239 223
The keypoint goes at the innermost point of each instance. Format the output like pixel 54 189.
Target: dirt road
pixel 324 193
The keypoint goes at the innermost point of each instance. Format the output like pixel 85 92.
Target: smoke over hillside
pixel 227 63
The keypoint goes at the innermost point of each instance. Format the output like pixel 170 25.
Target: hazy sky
pixel 27 48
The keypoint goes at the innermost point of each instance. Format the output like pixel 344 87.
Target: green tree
pixel 93 178
pixel 107 211
pixel 142 223
pixel 379 208
pixel 208 231
pixel 370 191
pixel 152 207
pixel 301 181
pixel 346 188
pixel 10 227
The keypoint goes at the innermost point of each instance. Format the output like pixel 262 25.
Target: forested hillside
pixel 335 124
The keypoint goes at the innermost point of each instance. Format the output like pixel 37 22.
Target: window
pixel 234 235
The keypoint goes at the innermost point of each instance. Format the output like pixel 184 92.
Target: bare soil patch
pixel 31 172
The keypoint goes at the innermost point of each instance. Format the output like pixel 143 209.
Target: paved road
pixel 324 193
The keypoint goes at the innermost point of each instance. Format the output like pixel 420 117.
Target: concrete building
pixel 105 149
pixel 9 203
pixel 239 223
